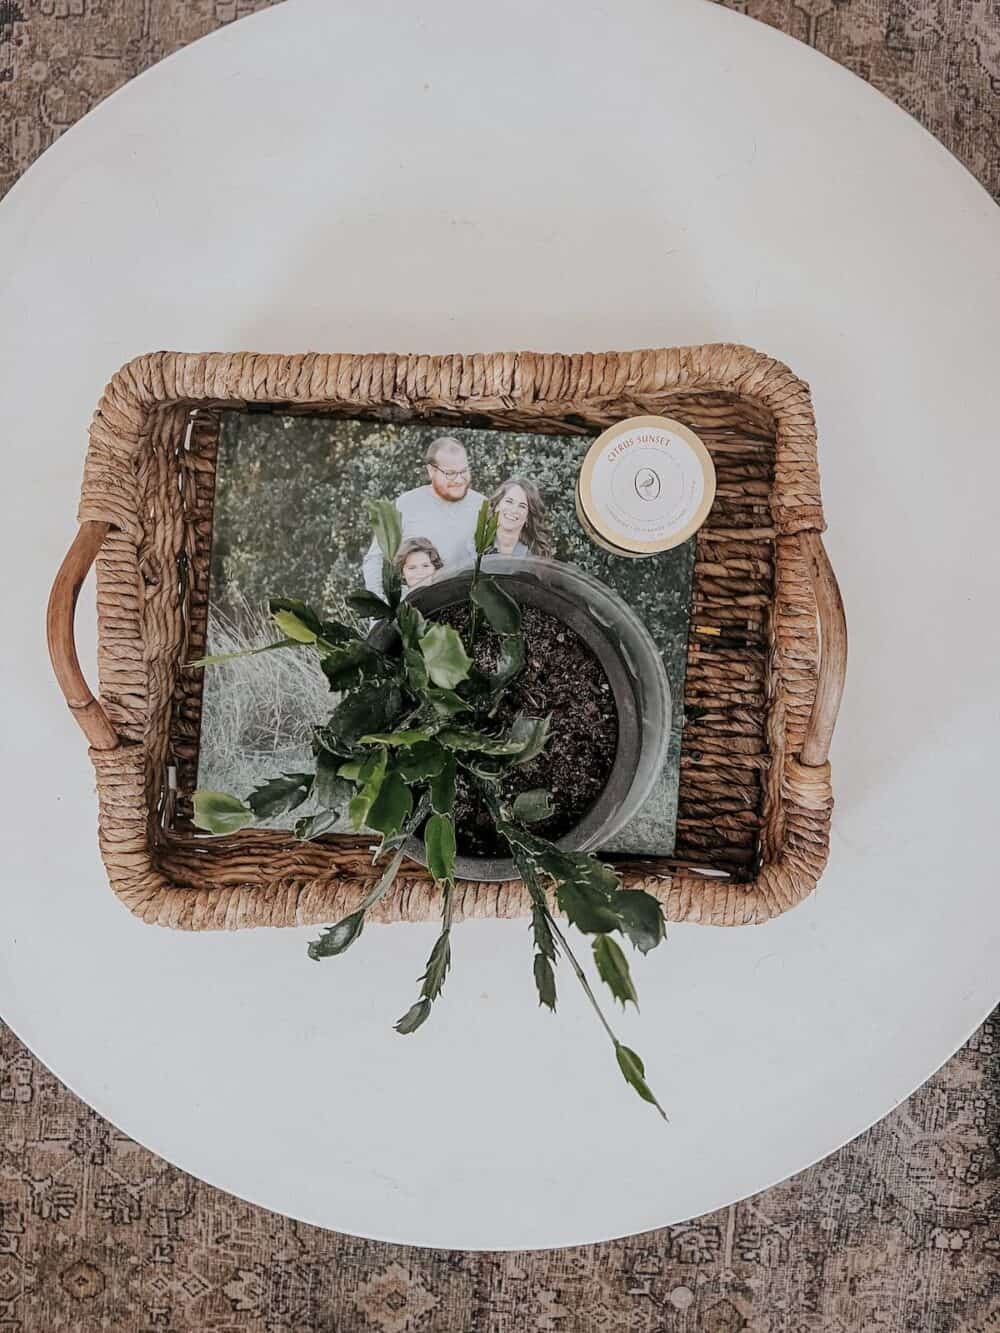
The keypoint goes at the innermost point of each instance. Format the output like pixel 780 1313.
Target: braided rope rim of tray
pixel 149 402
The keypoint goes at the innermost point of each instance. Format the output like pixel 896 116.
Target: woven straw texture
pixel 897 1231
pixel 143 477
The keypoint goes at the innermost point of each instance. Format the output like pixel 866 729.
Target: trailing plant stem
pixel 475 615
pixel 581 975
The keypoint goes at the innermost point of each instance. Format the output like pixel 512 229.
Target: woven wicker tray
pixel 760 698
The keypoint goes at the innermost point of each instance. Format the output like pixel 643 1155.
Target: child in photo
pixel 418 560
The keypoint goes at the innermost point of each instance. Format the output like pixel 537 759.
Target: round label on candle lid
pixel 646 485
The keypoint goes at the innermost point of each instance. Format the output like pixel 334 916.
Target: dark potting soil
pixel 563 678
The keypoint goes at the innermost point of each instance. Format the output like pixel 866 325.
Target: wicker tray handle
pixel 62 642
pixel 101 734
pixel 832 654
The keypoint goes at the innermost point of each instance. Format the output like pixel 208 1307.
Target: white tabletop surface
pixel 441 177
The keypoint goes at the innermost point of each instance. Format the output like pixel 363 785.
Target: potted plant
pixel 448 712
pixel 585 661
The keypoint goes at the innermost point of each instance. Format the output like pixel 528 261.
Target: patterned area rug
pixel 900 1230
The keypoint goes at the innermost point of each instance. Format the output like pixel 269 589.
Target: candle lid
pixel 645 486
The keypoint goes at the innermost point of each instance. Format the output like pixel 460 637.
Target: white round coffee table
pixel 339 176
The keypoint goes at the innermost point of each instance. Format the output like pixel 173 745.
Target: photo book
pixel 291 520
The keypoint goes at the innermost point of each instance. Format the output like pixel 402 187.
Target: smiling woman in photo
pixel 520 511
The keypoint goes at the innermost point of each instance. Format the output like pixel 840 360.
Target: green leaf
pixel 533 732
pixel 532 849
pixel 635 1074
pixel 545 981
pixel 373 770
pixel 358 811
pixel 447 702
pixel 392 585
pixel 476 689
pixel 585 888
pixel 572 867
pixel 541 929
pixel 330 788
pixel 589 892
pixel 372 707
pixel 412 625
pixel 366 603
pixel 391 807
pixel 404 739
pixel 437 969
pixel 312 826
pixel 216 658
pixel 350 664
pixel 486 528
pixel 335 939
pixel 424 760
pixel 509 663
pixel 641 918
pixel 332 632
pixel 545 941
pixel 532 806
pixel 500 609
pixel 339 937
pixel 280 795
pixel 443 787
pixel 439 845
pixel 302 617
pixel 387 524
pixel 597 874
pixel 351 769
pixel 371 777
pixel 218 812
pixel 293 627
pixel 445 656
pixel 478 742
pixel 612 968
pixel 432 980
pixel 585 908
pixel 416 670
pixel 301 623
pixel 414 1017
pixel 437 966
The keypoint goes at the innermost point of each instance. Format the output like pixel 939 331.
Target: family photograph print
pixel 439 519
pixel 291 519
